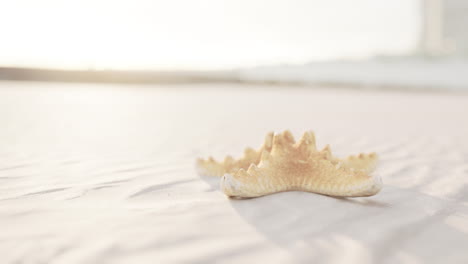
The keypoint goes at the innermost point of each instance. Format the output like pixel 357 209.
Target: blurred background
pixel 362 43
pixel 106 104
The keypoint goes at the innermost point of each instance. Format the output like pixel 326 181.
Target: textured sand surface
pixel 105 174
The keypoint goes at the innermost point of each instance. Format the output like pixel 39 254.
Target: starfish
pixel 290 166
pixel 211 167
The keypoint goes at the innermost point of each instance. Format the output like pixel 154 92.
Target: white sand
pixel 104 174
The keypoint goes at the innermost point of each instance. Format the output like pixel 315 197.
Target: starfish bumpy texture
pixel 211 167
pixel 285 165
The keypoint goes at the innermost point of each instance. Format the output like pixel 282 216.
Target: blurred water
pixel 397 73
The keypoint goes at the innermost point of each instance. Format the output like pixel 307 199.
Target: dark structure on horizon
pixel 111 76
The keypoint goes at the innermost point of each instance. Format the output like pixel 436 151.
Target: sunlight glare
pixel 206 34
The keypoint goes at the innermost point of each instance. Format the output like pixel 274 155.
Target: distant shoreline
pixel 112 76
pixel 239 77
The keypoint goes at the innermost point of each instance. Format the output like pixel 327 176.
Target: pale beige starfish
pixel 211 167
pixel 300 167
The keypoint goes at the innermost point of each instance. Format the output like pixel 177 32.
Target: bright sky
pixel 200 34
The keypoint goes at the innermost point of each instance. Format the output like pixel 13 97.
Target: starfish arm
pixel 211 167
pixel 364 162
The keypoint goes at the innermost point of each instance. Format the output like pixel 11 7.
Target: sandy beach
pixel 105 174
